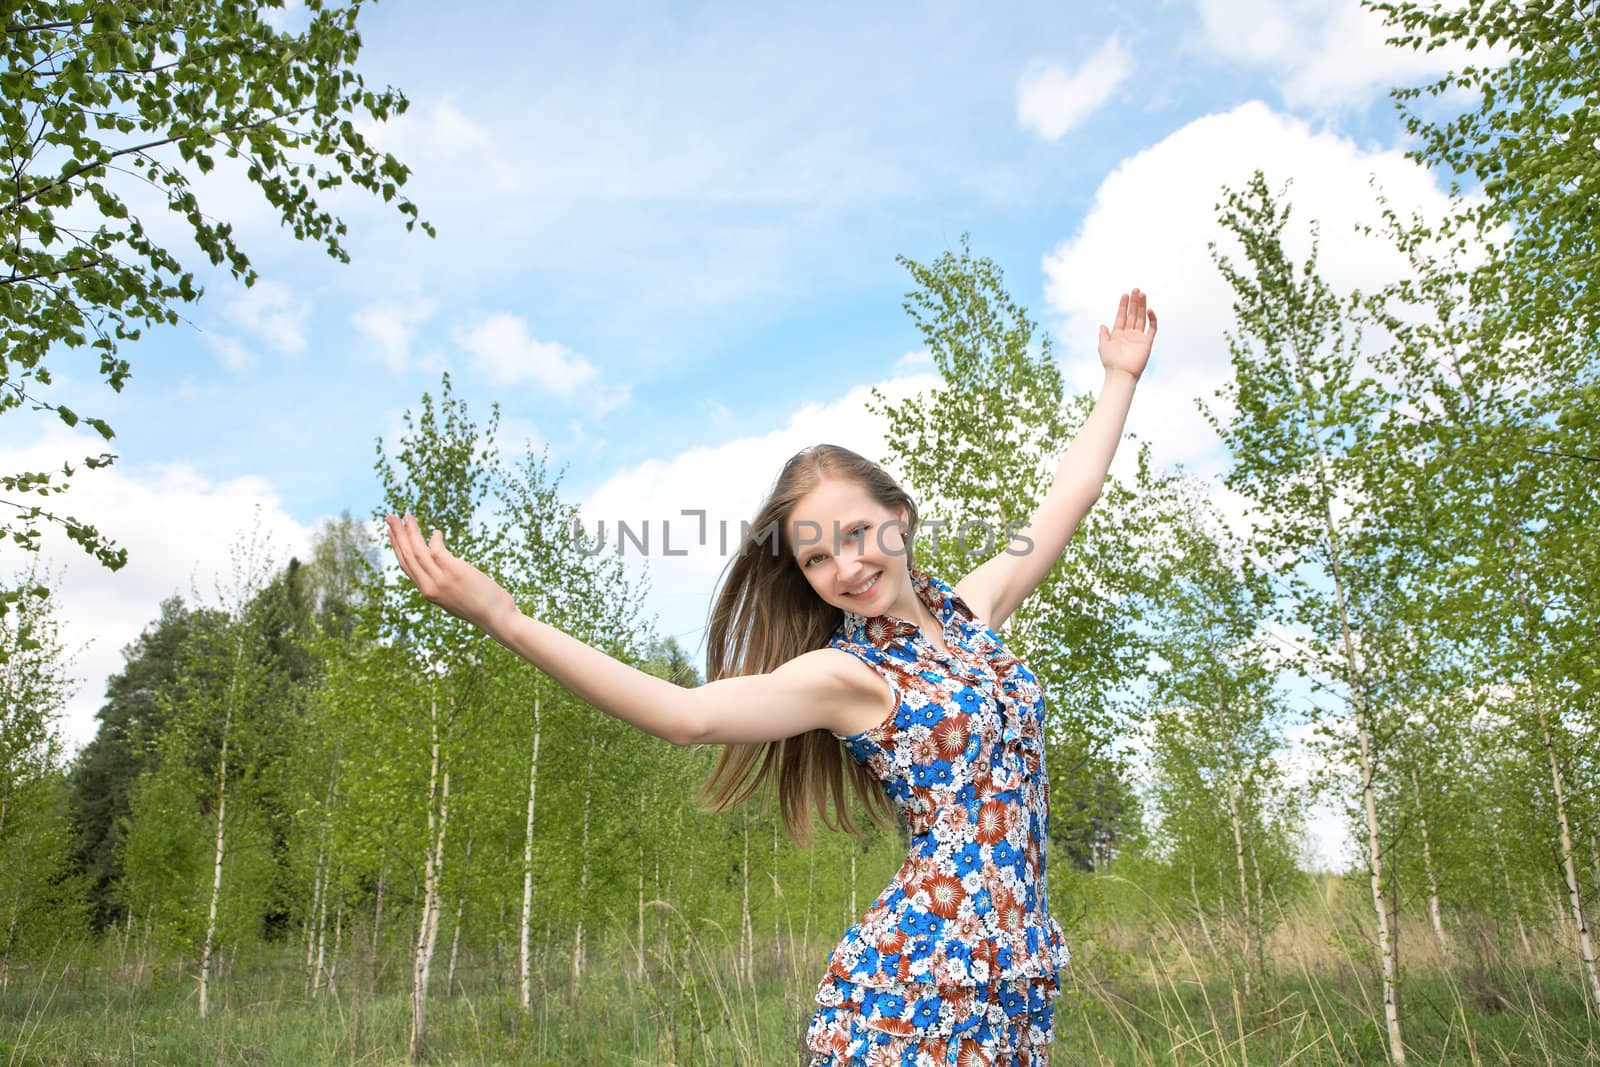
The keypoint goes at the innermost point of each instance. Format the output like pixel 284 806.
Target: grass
pixel 1147 994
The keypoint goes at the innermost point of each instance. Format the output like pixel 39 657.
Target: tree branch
pixel 1566 455
pixel 67 176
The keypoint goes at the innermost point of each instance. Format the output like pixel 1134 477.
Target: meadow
pixel 1139 994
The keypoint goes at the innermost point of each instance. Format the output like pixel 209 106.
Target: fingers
pixel 427 562
pixel 437 550
pixel 412 553
pixel 1152 323
pixel 1133 313
pixel 402 551
pixel 405 551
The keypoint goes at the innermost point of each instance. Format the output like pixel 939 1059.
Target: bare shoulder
pixel 857 697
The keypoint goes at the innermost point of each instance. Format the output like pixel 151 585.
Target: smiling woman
pixel 831 657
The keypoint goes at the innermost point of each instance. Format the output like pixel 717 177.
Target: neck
pixel 909 606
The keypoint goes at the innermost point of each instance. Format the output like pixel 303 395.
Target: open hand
pixel 454 584
pixel 1126 345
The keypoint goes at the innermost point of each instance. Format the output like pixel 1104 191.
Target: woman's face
pixel 851 548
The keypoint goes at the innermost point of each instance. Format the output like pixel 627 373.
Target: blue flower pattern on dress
pixel 957 961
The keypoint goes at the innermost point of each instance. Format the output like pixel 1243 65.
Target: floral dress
pixel 957 961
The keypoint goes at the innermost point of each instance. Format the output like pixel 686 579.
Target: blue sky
pixel 667 241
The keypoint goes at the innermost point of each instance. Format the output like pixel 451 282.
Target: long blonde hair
pixel 766 614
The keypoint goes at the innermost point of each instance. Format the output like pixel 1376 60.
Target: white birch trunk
pixel 144 942
pixel 1569 865
pixel 432 870
pixel 1511 896
pixel 313 924
pixel 1380 905
pixel 746 929
pixel 777 893
pixel 377 927
pixel 638 933
pixel 1237 824
pixel 1239 861
pixel 578 951
pixel 1594 856
pixel 1200 913
pixel 1427 866
pixel 209 945
pixel 855 912
pixel 1387 947
pixel 5 957
pixel 455 927
pixel 338 933
pixel 811 893
pixel 127 935
pixel 319 887
pixel 1261 914
pixel 322 926
pixel 455 947
pixel 1586 947
pixel 524 962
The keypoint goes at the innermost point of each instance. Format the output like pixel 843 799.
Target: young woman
pixel 830 656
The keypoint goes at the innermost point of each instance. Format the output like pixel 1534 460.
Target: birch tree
pixel 1299 435
pixel 40 899
pixel 1502 495
pixel 442 471
pixel 1216 731
pixel 111 115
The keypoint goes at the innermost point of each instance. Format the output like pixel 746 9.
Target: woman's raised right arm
pixel 823 689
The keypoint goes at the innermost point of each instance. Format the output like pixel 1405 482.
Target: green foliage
pixel 40 898
pixel 1225 821
pixel 1526 137
pixel 981 448
pixel 131 722
pixel 111 112
pixel 34 687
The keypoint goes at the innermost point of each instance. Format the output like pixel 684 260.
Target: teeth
pixel 864 588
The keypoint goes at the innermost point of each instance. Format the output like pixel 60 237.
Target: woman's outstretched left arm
pixel 998 586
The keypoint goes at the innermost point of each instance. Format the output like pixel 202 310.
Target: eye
pixel 813 559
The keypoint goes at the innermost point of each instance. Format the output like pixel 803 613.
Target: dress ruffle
pixel 919 1024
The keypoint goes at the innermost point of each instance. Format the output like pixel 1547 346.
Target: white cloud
pixel 1150 224
pixel 517 437
pixel 392 325
pixel 918 362
pixel 271 313
pixel 718 415
pixel 507 354
pixel 1050 101
pixel 266 312
pixel 178 527
pixel 1326 54
pixel 230 352
pixel 292 17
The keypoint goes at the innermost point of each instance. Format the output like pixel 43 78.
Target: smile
pixel 868 587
